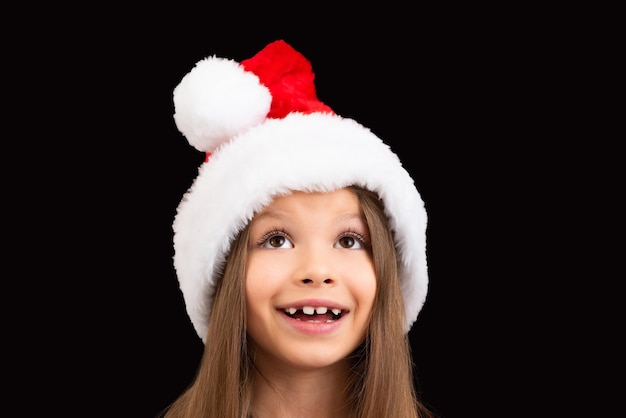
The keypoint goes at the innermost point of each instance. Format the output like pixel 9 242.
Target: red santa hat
pixel 253 117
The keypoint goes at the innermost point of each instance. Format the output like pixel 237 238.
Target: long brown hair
pixel 382 383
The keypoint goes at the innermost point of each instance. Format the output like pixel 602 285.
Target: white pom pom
pixel 217 100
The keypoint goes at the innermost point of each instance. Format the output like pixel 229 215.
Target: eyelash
pixel 270 234
pixel 352 233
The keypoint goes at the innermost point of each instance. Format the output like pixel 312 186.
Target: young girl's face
pixel 310 281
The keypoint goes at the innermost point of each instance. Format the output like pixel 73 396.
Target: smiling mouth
pixel 314 314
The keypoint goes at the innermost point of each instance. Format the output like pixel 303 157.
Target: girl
pixel 300 250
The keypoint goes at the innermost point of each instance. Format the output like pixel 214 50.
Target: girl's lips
pixel 314 326
pixel 314 303
pixel 313 316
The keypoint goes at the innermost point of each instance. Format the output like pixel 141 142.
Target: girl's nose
pixel 316 268
pixel 313 282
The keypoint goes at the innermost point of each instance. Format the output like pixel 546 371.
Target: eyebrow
pixel 271 213
pixel 350 216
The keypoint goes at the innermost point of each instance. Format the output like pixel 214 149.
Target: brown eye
pixel 276 241
pixel 351 241
pixel 346 242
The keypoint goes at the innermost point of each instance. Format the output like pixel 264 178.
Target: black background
pixel 459 95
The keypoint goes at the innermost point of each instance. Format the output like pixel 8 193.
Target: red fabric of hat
pixel 289 77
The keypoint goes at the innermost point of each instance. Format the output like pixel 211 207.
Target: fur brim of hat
pixel 304 152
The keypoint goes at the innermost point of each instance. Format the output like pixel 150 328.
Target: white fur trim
pixel 312 152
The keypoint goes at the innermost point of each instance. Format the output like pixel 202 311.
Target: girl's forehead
pixel 302 201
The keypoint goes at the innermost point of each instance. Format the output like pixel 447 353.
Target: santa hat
pixel 265 134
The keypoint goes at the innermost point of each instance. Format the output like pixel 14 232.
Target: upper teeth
pixel 311 310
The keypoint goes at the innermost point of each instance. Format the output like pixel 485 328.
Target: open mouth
pixel 314 314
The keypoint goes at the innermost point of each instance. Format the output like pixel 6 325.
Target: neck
pixel 288 393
